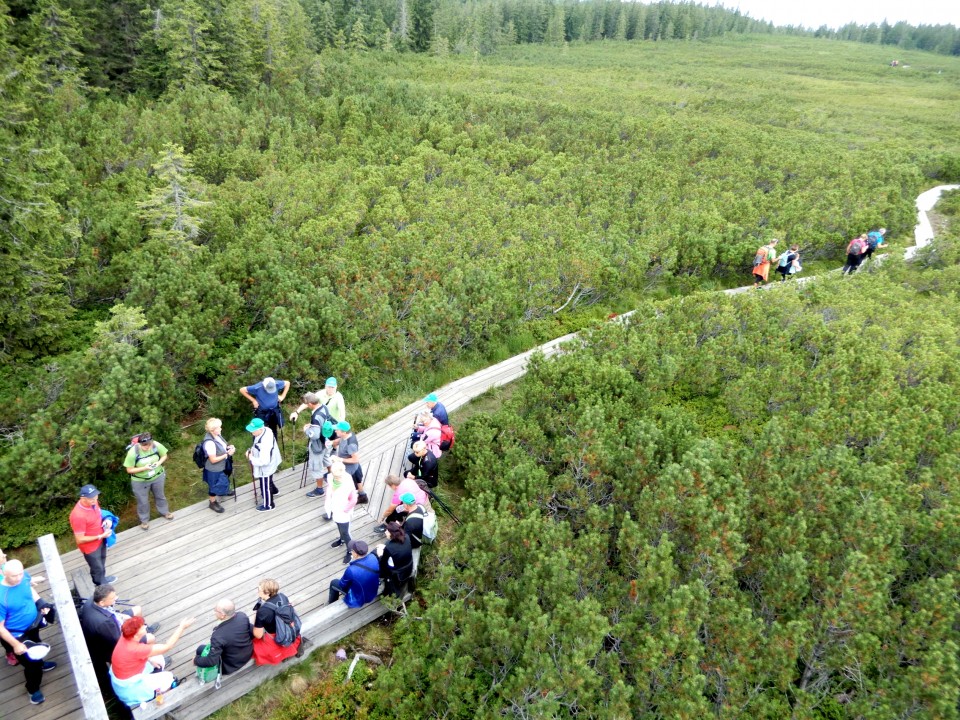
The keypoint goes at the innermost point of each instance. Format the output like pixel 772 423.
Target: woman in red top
pixel 134 666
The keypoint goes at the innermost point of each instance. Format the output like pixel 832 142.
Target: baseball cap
pixel 89 491
pixel 408 499
pixel 254 424
pixel 343 426
pixel 331 382
pixel 358 546
pixel 432 397
pixel 269 384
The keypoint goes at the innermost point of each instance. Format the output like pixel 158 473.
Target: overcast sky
pixel 835 13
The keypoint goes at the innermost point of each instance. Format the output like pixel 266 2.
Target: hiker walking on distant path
pixel 331 400
pixel 789 262
pixel 855 254
pixel 264 459
pixel 348 450
pixel 761 262
pixel 219 455
pixel 91 530
pixel 144 463
pixel 874 240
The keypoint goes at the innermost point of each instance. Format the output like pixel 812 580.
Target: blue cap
pixel 331 382
pixel 89 491
pixel 255 424
pixel 327 429
pixel 343 426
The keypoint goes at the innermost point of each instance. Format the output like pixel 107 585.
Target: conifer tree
pixel 169 209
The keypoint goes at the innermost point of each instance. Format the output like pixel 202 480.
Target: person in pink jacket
pixel 341 498
pixel 428 428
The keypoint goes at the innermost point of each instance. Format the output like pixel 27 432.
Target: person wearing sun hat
pixel 329 399
pixel 348 450
pixel 264 457
pixel 437 409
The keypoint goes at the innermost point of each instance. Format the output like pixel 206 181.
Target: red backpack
pixel 447 436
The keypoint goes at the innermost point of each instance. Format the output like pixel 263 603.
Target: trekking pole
pixel 303 475
pixel 443 506
pixel 253 480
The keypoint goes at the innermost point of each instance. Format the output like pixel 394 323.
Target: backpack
pixel 874 239
pixel 288 623
pixel 447 436
pixel 784 259
pixel 430 527
pixel 761 257
pixel 209 674
pixel 856 247
pixel 199 455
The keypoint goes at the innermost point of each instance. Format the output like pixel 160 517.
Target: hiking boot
pixel 346 558
pixel 48 666
pixel 216 507
pixel 152 629
pixel 318 492
pixel 336 543
pixel 36 698
pixel 362 499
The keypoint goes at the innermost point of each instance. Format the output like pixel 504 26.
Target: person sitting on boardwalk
pixel 395 511
pixel 137 668
pixel 144 463
pixel 264 459
pixel 396 559
pixel 339 504
pixel 215 474
pixel 437 409
pixel 414 514
pixel 360 582
pixel 348 451
pixel 231 645
pixel 20 622
pixel 855 254
pixel 427 428
pixel 761 262
pixel 101 623
pixel 266 651
pixel 319 446
pixel 423 464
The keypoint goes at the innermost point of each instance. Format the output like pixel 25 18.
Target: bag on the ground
pixel 208 674
pixel 447 436
pixel 199 455
pixel 288 623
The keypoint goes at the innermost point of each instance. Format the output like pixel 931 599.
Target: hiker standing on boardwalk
pixel 218 452
pixel 264 459
pixel 91 530
pixel 761 262
pixel 348 450
pixel 144 462
pixel 319 446
pixel 330 398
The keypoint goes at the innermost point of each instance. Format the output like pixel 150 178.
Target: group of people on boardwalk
pixel 128 658
pixel 787 263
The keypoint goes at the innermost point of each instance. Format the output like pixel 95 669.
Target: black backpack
pixel 288 622
pixel 199 455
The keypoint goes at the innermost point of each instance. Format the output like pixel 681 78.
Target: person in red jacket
pixel 90 530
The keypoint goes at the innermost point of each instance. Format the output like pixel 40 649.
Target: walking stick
pixel 253 480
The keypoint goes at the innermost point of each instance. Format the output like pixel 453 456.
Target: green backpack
pixel 208 674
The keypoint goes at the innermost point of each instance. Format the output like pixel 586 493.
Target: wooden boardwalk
pixel 181 568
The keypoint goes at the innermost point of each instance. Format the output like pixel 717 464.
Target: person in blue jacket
pixel 437 409
pixel 361 582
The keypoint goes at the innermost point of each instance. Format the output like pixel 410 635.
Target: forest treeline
pixel 375 215
pixel 724 507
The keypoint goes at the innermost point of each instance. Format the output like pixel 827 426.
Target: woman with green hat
pixel 264 459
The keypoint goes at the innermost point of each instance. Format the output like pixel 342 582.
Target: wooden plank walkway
pixel 182 567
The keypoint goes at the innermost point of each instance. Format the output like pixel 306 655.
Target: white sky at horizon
pixel 836 13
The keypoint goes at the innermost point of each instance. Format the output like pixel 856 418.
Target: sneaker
pixel 362 499
pixel 318 492
pixel 273 489
pixel 48 666
pixel 380 528
pixel 11 659
pixel 347 559
pixel 152 629
pixel 216 507
pixel 336 543
pixel 144 526
pixel 263 508
pixel 169 516
pixel 36 698
pixel 110 579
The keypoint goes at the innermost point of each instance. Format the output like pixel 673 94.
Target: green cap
pixel 327 429
pixel 255 424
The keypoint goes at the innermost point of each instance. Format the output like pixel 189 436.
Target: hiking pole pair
pixel 442 505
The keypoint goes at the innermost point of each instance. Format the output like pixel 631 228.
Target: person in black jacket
pixel 100 623
pixel 396 559
pixel 423 464
pixel 231 644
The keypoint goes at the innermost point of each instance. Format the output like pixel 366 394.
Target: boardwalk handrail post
pixel 83 674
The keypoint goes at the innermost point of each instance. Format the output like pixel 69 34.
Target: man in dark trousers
pixel 100 623
pixel 361 582
pixel 423 465
pixel 231 644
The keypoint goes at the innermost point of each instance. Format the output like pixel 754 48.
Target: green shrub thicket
pixel 727 507
pixel 373 215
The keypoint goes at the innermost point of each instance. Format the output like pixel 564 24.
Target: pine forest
pixel 722 506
